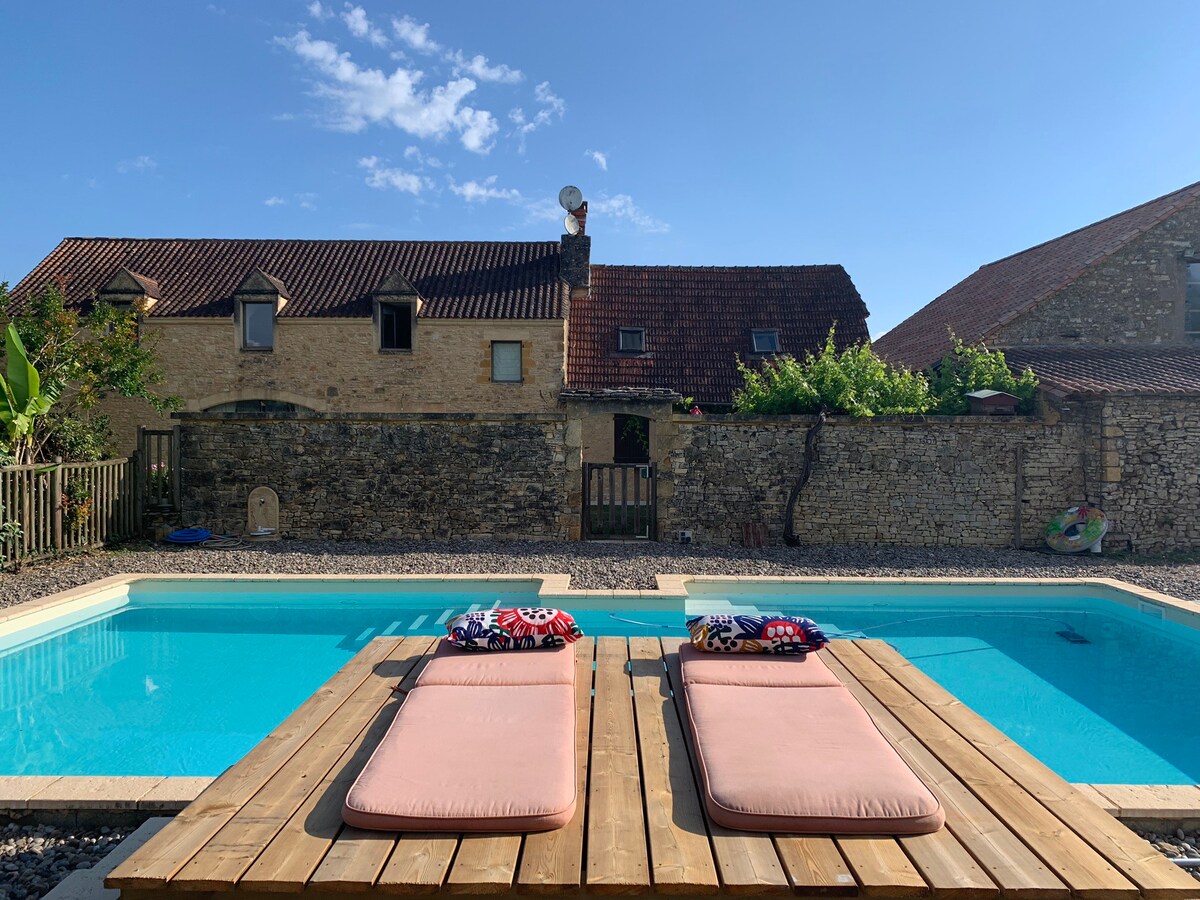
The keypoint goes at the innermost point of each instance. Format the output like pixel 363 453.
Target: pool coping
pixel 33 793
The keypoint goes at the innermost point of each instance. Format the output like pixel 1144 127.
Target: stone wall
pixel 1150 484
pixel 1135 296
pixel 925 482
pixel 374 477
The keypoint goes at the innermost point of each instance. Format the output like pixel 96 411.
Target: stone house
pixel 1108 317
pixel 344 326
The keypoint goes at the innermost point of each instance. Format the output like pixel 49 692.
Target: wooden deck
pixel 272 823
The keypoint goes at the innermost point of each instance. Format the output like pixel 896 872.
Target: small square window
pixel 395 326
pixel 631 340
pixel 766 340
pixel 258 326
pixel 506 361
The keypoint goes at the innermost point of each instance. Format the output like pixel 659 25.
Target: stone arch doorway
pixel 631 439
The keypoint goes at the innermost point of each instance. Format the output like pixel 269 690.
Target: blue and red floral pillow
pixel 525 628
pixel 784 635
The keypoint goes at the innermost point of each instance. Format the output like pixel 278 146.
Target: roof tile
pixel 1112 370
pixel 197 277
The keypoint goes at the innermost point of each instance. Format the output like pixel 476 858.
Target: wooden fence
pixel 66 506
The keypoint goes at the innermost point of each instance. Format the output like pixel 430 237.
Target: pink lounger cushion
pixel 796 758
pixel 493 752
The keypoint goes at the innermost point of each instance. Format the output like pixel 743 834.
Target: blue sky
pixel 909 142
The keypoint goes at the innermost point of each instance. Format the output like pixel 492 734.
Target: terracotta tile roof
pixel 1000 291
pixel 197 277
pixel 149 285
pixel 699 319
pixel 1112 370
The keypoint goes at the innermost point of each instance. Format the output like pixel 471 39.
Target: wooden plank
pixel 681 856
pixel 419 864
pixel 485 864
pixel 227 856
pixel 354 861
pixel 300 846
pixel 1138 861
pixel 881 868
pixel 617 860
pixel 746 863
pixel 1011 864
pixel 815 866
pixel 1093 794
pixel 1083 870
pixel 553 860
pixel 947 867
pixel 167 852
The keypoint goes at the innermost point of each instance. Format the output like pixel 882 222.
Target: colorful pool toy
pixel 1078 529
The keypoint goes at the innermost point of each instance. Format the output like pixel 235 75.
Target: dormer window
pixel 258 325
pixel 631 340
pixel 257 301
pixel 765 340
pixel 395 326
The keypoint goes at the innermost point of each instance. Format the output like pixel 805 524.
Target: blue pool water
pixel 171 683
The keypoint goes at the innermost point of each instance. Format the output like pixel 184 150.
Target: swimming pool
pixel 183 677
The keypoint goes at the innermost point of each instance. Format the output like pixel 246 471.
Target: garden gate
pixel 619 502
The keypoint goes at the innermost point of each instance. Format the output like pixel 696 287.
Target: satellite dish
pixel 570 198
pixel 571 224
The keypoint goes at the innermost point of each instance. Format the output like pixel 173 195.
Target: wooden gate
pixel 158 470
pixel 619 502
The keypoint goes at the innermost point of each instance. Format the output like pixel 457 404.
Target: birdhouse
pixel 992 403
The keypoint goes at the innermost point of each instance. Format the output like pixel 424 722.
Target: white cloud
pixel 621 206
pixel 552 105
pixel 274 201
pixel 482 192
pixel 141 163
pixel 382 178
pixel 414 154
pixel 306 201
pixel 360 26
pixel 477 67
pixel 415 35
pixel 599 157
pixel 319 11
pixel 364 96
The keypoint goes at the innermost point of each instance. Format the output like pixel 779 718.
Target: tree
pixel 976 368
pixel 26 401
pixel 83 358
pixel 853 381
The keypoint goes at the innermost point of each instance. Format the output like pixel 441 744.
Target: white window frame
pixel 245 321
pixel 772 333
pixel 520 362
pixel 1193 334
pixel 638 333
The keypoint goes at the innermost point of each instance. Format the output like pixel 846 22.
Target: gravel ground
pixel 34 858
pixel 1179 844
pixel 591 565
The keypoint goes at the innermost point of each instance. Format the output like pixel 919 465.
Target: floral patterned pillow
pixel 526 628
pixel 756 634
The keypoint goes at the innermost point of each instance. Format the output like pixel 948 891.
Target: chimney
pixel 575 257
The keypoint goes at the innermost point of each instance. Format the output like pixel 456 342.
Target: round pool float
pixel 1078 529
pixel 188 536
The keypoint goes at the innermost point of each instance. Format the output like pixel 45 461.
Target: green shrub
pixel 976 368
pixel 80 439
pixel 853 381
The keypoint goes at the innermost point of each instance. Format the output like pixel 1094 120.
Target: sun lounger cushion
pixel 482 743
pixel 525 628
pixel 755 634
pixel 784 750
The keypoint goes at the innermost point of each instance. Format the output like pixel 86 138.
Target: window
pixel 766 340
pixel 506 361
pixel 1192 315
pixel 258 406
pixel 631 340
pixel 258 326
pixel 395 326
